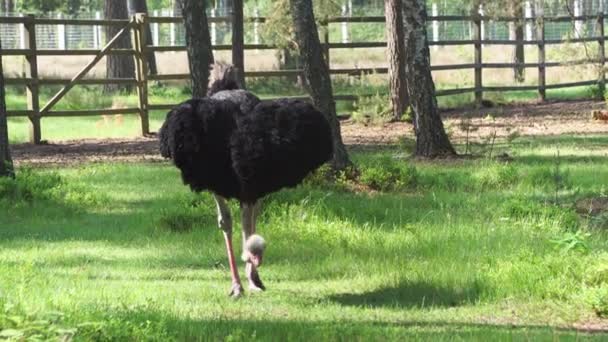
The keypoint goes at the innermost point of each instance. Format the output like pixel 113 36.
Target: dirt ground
pixel 524 120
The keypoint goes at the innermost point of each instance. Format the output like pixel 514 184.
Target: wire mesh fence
pixel 88 37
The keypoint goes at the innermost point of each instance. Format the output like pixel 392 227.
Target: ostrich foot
pixel 255 283
pixel 236 291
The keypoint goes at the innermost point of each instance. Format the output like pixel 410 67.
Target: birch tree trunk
pixel 431 138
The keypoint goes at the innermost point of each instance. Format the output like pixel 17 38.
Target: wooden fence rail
pixel 140 51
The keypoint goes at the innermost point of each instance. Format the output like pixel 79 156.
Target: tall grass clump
pixel 185 215
pixel 388 174
pixel 30 187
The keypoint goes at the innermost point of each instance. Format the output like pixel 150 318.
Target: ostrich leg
pixel 224 220
pixel 249 214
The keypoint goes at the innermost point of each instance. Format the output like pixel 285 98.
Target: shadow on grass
pixel 413 295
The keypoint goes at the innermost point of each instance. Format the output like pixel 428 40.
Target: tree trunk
pixel 6 163
pixel 396 58
pixel 238 54
pixel 198 44
pixel 517 33
pixel 118 66
pixel 431 139
pixel 316 73
pixel 140 6
pixel 9 6
pixel 289 61
pixel 177 7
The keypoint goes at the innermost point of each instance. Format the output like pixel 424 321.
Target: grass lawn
pixel 463 250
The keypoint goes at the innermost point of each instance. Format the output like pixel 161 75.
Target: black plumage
pixel 236 146
pixel 245 156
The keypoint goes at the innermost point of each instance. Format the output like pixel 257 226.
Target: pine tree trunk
pixel 238 52
pixel 118 66
pixel 9 6
pixel 431 138
pixel 140 6
pixel 198 44
pixel 316 73
pixel 396 58
pixel 6 163
pixel 517 33
pixel 177 7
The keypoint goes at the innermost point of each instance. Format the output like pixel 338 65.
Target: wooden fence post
pixel 478 61
pixel 33 100
pixel 540 37
pixel 140 21
pixel 602 45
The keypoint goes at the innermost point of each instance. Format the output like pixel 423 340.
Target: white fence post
pixel 172 28
pixel 61 43
pixel 213 28
pixel 344 25
pixel 483 23
pixel 155 31
pixel 578 24
pixel 97 32
pixel 22 43
pixel 529 25
pixel 434 13
pixel 256 27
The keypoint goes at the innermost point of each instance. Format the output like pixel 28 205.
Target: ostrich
pixel 238 147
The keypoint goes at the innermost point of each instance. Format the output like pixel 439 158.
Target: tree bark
pixel 198 44
pixel 140 6
pixel 431 138
pixel 396 58
pixel 517 33
pixel 316 73
pixel 6 163
pixel 177 7
pixel 9 6
pixel 238 53
pixel 118 66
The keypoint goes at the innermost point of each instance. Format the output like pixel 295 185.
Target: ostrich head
pixel 254 249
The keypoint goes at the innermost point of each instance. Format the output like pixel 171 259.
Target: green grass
pixel 464 250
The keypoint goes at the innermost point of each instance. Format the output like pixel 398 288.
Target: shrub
pixel 498 176
pixel 389 175
pixel 598 299
pixel 522 207
pixel 29 187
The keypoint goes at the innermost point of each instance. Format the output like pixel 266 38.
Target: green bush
pixel 598 299
pixel 523 207
pixel 389 175
pixel 547 178
pixel 497 176
pixel 29 187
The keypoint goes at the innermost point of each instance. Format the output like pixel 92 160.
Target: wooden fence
pixel 135 26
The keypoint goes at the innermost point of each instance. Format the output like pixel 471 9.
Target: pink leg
pixel 225 222
pixel 237 288
pixel 248 218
